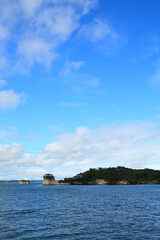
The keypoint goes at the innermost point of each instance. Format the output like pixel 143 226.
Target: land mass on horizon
pixel 101 176
pixel 109 176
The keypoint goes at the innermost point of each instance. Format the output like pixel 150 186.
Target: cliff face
pixel 98 182
pixel 48 179
pixel 122 182
pixel 49 182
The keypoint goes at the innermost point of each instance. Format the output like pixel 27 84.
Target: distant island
pixel 114 176
pixel 24 182
pixel 19 181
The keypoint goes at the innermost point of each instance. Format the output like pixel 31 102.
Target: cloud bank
pixel 133 144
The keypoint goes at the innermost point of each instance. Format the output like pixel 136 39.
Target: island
pixel 49 179
pixel 114 176
pixel 24 182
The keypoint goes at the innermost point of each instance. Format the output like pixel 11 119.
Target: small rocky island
pixel 49 179
pixel 24 182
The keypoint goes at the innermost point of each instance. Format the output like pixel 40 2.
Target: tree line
pixel 114 175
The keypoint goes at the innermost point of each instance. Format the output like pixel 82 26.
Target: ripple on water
pixel 79 212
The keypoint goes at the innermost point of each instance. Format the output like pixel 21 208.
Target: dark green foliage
pixel 24 181
pixel 114 175
pixel 49 176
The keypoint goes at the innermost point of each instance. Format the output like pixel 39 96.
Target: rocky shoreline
pixel 49 179
pixel 90 177
pixel 101 176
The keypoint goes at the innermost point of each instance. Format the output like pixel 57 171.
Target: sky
pixel 79 86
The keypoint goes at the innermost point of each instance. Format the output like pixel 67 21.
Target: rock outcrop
pixel 122 182
pixel 48 179
pixel 98 182
pixel 24 182
pixel 61 183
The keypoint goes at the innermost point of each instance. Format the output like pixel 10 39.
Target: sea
pixel 34 212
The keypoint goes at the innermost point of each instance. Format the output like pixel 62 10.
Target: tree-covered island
pixel 24 182
pixel 115 176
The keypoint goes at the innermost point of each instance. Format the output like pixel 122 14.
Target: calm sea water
pixel 79 212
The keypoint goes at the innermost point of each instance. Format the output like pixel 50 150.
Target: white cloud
pixel 36 28
pixel 3 33
pixel 9 99
pixel 134 144
pixel 103 35
pixel 130 145
pixel 97 30
pixel 59 21
pixel 84 6
pixel 10 153
pixel 72 66
pixel 35 51
pixel 29 6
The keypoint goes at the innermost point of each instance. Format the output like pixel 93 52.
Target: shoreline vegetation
pixel 101 176
pixel 115 176
pixel 108 176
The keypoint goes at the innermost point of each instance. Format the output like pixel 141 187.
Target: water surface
pixel 36 212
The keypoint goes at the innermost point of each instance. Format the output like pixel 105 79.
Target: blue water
pixel 79 212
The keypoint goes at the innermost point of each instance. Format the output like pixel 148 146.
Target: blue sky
pixel 79 86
